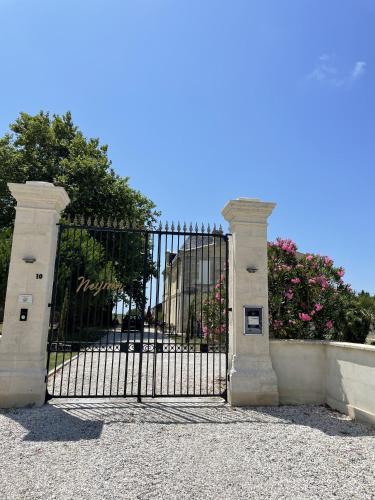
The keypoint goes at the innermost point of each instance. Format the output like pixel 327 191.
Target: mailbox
pixel 252 320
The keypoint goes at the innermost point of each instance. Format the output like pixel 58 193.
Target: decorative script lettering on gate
pixel 96 287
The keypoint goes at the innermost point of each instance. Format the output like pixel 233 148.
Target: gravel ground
pixel 109 449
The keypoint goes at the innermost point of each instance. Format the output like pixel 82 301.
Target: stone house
pixel 190 274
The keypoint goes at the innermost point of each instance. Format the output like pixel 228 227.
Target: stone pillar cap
pixel 247 210
pixel 40 183
pixel 39 194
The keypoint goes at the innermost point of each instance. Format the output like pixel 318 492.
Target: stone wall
pixel 339 374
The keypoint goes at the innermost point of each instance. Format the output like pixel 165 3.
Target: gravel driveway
pixel 104 370
pixel 162 373
pixel 109 449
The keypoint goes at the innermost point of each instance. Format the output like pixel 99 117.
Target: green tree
pixel 55 150
pixel 81 255
pixel 5 247
pixel 367 301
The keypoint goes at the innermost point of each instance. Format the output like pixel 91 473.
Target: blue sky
pixel 202 101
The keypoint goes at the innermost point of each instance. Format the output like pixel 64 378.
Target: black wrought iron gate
pixel 138 312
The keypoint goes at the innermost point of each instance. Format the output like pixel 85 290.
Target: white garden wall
pixel 300 370
pixel 341 375
pixel 350 379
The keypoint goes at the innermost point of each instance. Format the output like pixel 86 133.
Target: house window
pixel 203 272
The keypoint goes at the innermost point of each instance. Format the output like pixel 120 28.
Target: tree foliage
pixel 53 149
pixel 5 248
pixel 309 299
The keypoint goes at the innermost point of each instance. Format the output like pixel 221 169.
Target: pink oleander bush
pixel 214 313
pixel 308 297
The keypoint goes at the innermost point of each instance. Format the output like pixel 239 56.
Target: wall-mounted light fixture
pixel 251 269
pixel 29 260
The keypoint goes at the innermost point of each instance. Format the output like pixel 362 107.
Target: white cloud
pixel 358 70
pixel 326 71
pixel 324 57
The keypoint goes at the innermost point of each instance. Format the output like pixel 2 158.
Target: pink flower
pixel 295 281
pixel 289 294
pixel 304 317
pixel 309 257
pixel 329 325
pixel 318 307
pixel 312 281
pixel 218 296
pixel 322 282
pixel 341 272
pixel 287 245
pixel 217 286
pixel 283 267
pixel 277 323
pixel 327 261
pixel 205 331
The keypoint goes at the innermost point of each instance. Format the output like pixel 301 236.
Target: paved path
pixel 105 450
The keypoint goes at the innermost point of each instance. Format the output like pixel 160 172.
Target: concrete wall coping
pixel 343 345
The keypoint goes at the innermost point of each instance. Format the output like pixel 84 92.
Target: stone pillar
pixel 23 344
pixel 252 380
